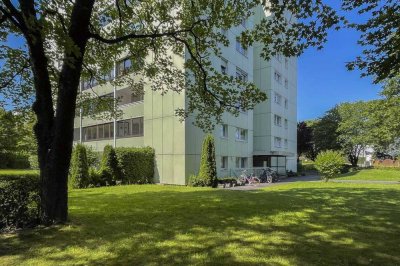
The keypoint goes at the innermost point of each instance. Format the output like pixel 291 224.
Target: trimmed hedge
pixel 137 164
pixel 19 200
pixel 14 161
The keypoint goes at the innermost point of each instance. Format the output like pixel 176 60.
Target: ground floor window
pixel 241 162
pixel 224 162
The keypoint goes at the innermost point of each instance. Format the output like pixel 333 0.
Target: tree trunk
pixel 55 133
pixel 353 160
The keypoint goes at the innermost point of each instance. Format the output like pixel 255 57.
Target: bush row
pixel 136 164
pixel 121 165
pixel 14 161
pixel 19 200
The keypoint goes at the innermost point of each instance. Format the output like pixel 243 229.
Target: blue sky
pixel 323 80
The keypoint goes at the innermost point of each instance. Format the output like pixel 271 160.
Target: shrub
pixel 33 162
pixel 109 168
pixel 290 173
pixel 92 157
pixel 19 200
pixel 329 164
pixel 208 168
pixel 79 174
pixel 195 181
pixel 9 160
pixel 228 181
pixel 136 164
pixel 95 178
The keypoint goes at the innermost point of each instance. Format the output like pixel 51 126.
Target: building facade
pixel 265 136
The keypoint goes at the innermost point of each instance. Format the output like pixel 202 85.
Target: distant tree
pixel 355 129
pixel 8 132
pixel 305 141
pixel 208 167
pixel 325 133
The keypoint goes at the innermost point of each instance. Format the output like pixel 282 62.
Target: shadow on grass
pixel 307 226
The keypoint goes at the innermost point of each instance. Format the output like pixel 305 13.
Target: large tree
pixel 355 128
pixel 325 133
pixel 66 41
pixel 305 141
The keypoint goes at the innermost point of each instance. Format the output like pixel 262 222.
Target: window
pixel 224 66
pixel 278 77
pixel 286 63
pixel 241 134
pixel 109 76
pixel 277 142
pixel 123 66
pixel 98 132
pixel 286 144
pixel 286 103
pixel 277 120
pixel 224 131
pixel 286 124
pixel 241 75
pixel 286 84
pixel 126 96
pixel 224 162
pixel 241 162
pixel 240 48
pixel 130 127
pixel 278 98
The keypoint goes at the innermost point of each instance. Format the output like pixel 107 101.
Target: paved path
pixel 281 182
pixel 311 178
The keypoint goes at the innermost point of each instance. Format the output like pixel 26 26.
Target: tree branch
pixel 142 36
pixel 7 83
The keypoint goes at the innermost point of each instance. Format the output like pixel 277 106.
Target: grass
pixel 9 172
pixel 314 223
pixel 373 174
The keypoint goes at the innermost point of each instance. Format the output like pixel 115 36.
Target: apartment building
pixel 265 136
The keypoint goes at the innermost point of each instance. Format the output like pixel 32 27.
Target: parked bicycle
pixel 269 176
pixel 246 178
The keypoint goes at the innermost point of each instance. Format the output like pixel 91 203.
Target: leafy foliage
pixel 208 167
pixel 326 136
pixel 329 164
pixel 137 164
pixel 19 200
pixel 355 128
pixel 79 176
pixel 109 168
pixel 304 139
pixel 380 37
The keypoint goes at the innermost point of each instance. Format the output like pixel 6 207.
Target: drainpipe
pixel 80 117
pixel 115 106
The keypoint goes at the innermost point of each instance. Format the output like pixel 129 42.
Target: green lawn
pixel 17 171
pixel 373 174
pixel 314 223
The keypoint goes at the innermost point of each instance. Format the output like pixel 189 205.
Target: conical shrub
pixel 208 168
